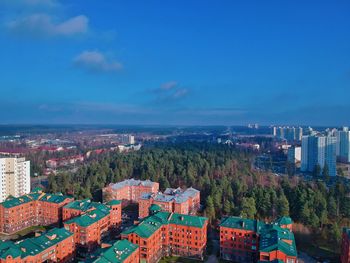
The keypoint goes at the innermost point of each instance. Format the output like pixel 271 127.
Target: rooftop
pixel 240 223
pixel 152 223
pixel 35 245
pixel 117 253
pixel 89 218
pixel 132 182
pixel 52 198
pixel 177 195
pixel 85 205
pixel 273 238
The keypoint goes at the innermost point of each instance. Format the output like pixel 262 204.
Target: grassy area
pixel 177 260
pixel 27 232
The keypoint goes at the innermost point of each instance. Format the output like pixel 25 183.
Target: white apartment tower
pixel 14 177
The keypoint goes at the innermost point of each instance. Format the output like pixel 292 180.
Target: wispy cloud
pixel 169 85
pixel 170 91
pixel 95 61
pixel 43 25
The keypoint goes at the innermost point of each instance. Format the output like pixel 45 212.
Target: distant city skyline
pixel 175 62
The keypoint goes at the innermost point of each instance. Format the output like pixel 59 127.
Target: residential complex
pixel 90 222
pixel 169 234
pixel 129 190
pixel 318 150
pixel 34 209
pixel 343 145
pixel 14 177
pixel 56 245
pixel 248 240
pixel 289 134
pixel 345 246
pixel 172 200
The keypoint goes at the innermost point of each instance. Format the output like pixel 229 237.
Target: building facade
pixel 129 190
pixel 318 150
pixel 343 145
pixel 56 245
pixel 172 200
pixel 247 240
pixel 14 177
pixel 34 209
pixel 91 222
pixel 169 234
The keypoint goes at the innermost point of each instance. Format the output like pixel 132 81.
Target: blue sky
pixel 175 62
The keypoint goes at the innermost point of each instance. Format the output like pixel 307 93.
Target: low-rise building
pixel 90 222
pixel 56 245
pixel 121 251
pixel 172 200
pixel 129 190
pixel 169 234
pixel 248 240
pixel 34 209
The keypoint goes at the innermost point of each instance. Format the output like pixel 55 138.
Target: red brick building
pixel 247 240
pixel 345 246
pixel 94 221
pixel 172 200
pixel 129 190
pixel 165 234
pixel 121 251
pixel 56 245
pixel 34 209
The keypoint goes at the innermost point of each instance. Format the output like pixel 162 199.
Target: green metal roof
pixel 89 218
pixel 114 202
pixel 284 220
pixel 37 190
pixel 35 245
pixel 117 253
pixel 8 248
pixel 154 208
pixel 13 201
pixel 54 198
pixel 271 235
pixel 85 205
pixel 272 238
pixel 240 223
pixel 152 223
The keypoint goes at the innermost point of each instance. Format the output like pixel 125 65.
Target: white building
pixel 318 150
pixel 294 154
pixel 14 177
pixel 343 145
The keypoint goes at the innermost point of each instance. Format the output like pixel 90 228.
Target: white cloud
pixel 168 85
pixel 43 25
pixel 96 61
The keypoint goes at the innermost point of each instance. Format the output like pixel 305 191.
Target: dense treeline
pixel 227 182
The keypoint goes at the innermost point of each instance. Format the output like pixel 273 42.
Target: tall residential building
pixel 343 145
pixel 290 134
pixel 14 177
pixel 318 150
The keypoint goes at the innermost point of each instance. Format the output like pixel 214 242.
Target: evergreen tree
pixel 282 206
pixel 248 207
